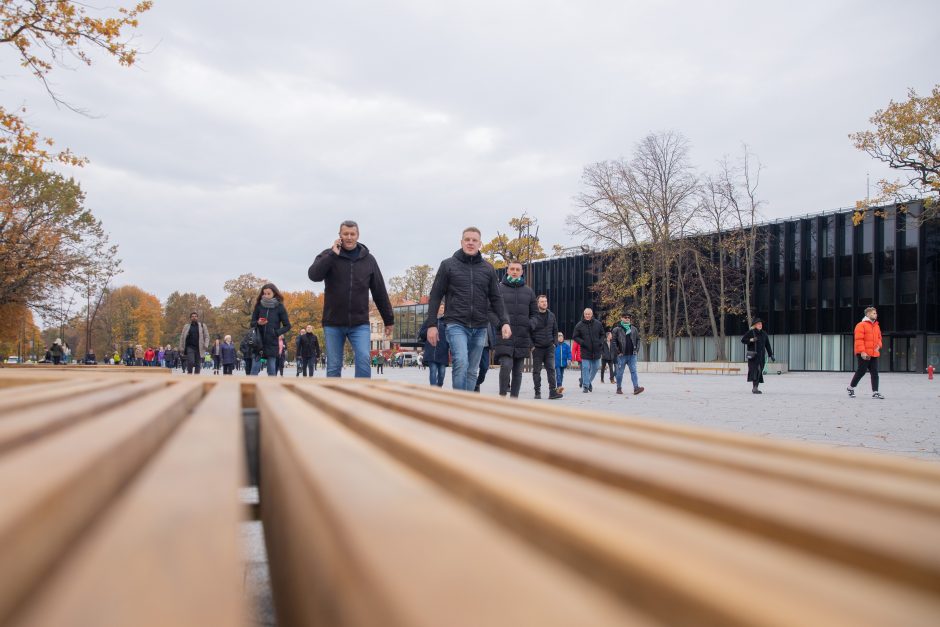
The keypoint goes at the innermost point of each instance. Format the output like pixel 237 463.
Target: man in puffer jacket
pixel 589 334
pixel 519 300
pixel 867 351
pixel 544 337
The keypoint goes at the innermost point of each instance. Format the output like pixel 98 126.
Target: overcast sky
pixel 249 129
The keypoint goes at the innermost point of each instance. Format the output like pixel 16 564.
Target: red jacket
pixel 868 338
pixel 575 352
pixel 149 354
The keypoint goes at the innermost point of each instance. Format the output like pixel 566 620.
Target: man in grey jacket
pixel 626 345
pixel 194 342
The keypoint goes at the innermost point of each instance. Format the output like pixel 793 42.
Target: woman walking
pixel 757 344
pixel 216 356
pixel 270 318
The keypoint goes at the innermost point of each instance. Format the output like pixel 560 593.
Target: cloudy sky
pixel 249 130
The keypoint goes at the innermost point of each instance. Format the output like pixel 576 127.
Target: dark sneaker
pixel 554 396
pixel 538 395
pixel 590 388
pixel 851 392
pixel 619 391
pixel 878 395
pixel 756 391
pixel 580 383
pixel 638 390
pixel 586 390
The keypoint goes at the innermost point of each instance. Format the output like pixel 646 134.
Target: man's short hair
pixel 471 229
pixel 541 296
pixel 514 263
pixel 868 310
pixel 193 313
pixel 349 224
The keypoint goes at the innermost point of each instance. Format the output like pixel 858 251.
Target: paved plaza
pixel 808 406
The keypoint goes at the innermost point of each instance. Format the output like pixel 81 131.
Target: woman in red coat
pixel 867 351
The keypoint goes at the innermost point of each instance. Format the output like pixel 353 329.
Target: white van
pixel 409 358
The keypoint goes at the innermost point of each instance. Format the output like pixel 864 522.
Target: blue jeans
pixel 627 361
pixel 589 368
pixel 559 375
pixel 466 347
pixel 335 343
pixel 437 372
pixel 271 365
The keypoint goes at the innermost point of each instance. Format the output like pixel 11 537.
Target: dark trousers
pixel 484 366
pixel 309 367
pixel 608 365
pixel 216 362
pixel 248 365
pixel 228 368
pixel 380 368
pixel 301 365
pixel 510 375
pixel 193 362
pixel 543 357
pixel 870 366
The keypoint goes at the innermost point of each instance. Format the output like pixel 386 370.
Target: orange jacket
pixel 868 338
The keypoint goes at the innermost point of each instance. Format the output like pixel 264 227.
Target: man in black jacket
pixel 589 334
pixel 350 272
pixel 519 300
pixel 626 345
pixel 470 289
pixel 308 350
pixel 544 338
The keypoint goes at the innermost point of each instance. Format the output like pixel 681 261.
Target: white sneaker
pixel 851 392
pixel 878 395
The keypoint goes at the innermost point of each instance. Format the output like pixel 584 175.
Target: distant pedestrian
pixel 350 273
pixel 161 356
pixel 138 355
pixel 299 361
pixel 625 346
pixel 129 356
pixel 589 334
pixel 608 357
pixel 468 285
pixel 544 337
pixel 150 356
pixel 436 357
pixel 248 351
pixel 216 355
pixel 281 356
pixel 867 351
pixel 194 341
pixel 309 351
pixel 757 344
pixel 562 357
pixel 227 355
pixel 270 319
pixel 55 352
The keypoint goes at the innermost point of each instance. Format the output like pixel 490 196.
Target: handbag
pixel 749 355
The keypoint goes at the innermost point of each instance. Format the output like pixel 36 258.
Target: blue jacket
pixel 435 354
pixel 562 355
pixel 228 354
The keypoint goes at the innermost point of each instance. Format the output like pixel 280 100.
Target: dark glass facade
pixel 814 276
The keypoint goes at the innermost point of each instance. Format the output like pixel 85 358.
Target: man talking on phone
pixel 350 272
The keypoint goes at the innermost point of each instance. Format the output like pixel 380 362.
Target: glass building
pixel 814 277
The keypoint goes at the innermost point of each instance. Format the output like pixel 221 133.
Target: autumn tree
pixel 234 314
pixel 906 137
pixel 46 34
pixel 128 315
pixel 412 285
pixel 524 247
pixel 176 312
pixel 17 330
pixel 49 241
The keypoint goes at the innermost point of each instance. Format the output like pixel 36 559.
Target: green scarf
pixel 626 326
pixel 514 281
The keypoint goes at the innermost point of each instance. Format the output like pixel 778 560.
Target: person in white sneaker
pixel 867 351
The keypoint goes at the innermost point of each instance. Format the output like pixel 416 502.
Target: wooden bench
pixel 403 505
pixel 700 369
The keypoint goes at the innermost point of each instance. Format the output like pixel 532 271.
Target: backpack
pixel 253 339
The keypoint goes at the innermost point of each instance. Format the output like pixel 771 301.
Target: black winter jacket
pixel 470 289
pixel 589 334
pixel 519 300
pixel 545 333
pixel 308 346
pixel 619 344
pixel 278 324
pixel 348 281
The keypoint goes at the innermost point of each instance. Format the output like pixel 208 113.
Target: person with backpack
pixel 625 346
pixel 867 350
pixel 589 334
pixel 270 320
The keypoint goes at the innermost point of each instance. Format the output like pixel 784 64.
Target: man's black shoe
pixel 538 395
pixel 555 395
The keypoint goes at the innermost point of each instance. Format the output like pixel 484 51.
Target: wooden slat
pixel 167 552
pixel 684 569
pixel 20 398
pixel 354 538
pixel 83 403
pixel 52 489
pixel 843 527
